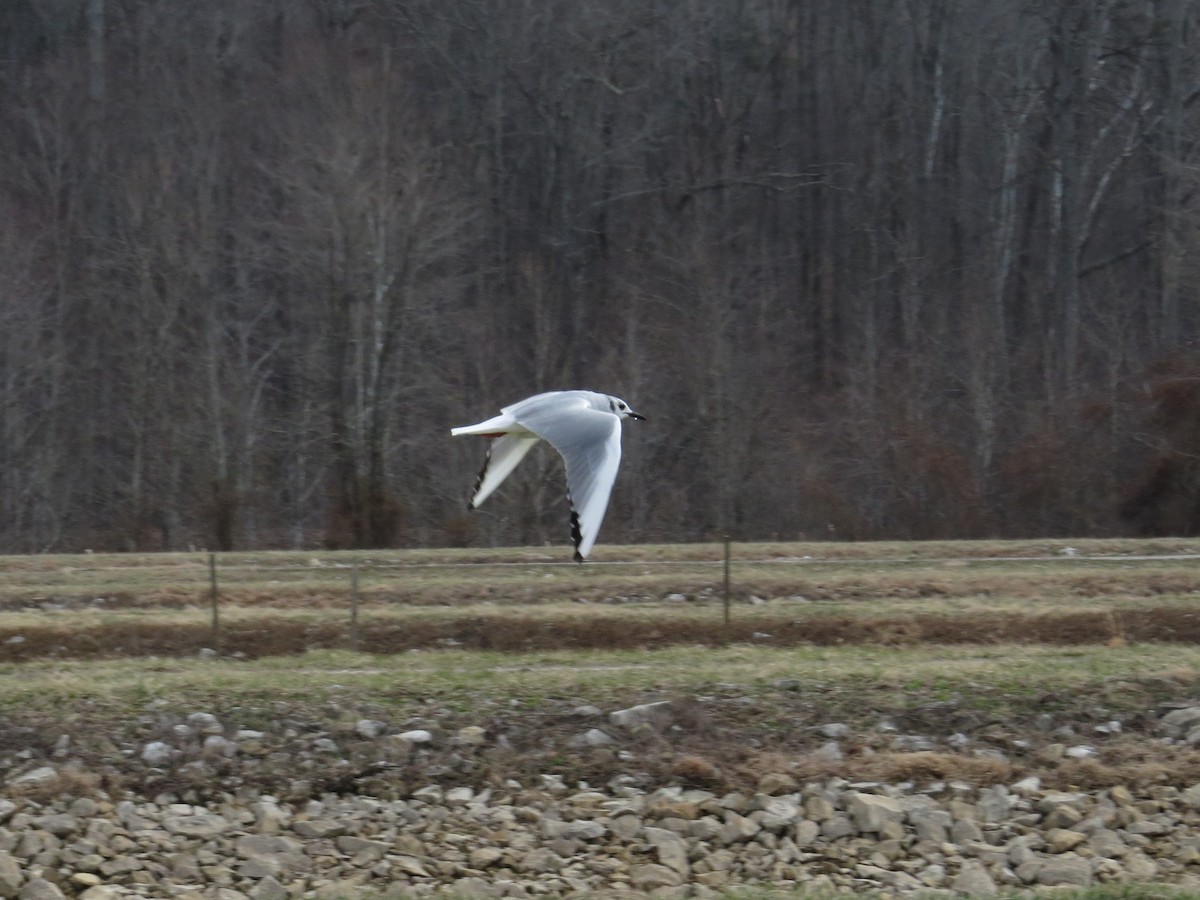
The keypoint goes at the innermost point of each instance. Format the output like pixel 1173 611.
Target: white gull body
pixel 583 426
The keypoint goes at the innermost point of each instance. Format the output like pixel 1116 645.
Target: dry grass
pixel 938 638
pixel 251 634
pixel 523 599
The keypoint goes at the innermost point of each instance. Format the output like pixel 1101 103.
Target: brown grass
pixel 939 638
pixel 273 636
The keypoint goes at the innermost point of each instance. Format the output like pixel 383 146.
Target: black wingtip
pixel 479 479
pixel 576 533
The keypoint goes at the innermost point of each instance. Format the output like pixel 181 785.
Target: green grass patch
pixel 974 674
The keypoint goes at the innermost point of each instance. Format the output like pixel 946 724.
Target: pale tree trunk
pixel 1070 52
pixel 1176 94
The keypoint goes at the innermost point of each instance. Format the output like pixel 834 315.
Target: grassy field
pixel 1003 641
pixel 522 599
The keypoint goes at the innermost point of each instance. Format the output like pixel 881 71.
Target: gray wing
pixel 589 442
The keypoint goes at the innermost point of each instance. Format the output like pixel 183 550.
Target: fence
pixel 353 630
pixel 261 603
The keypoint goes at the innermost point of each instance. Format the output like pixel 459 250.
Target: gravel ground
pixel 674 797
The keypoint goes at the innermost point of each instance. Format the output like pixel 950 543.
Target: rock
pixel 1140 867
pixel 205 723
pixel 431 793
pixel 119 865
pixel 319 828
pixel 250 846
pixel 40 775
pixel 410 865
pixel 1062 817
pixel 11 876
pixel 653 876
pixel 1104 842
pixel 363 850
pixel 831 751
pixel 541 860
pixel 777 813
pixel 218 746
pixel 269 888
pixel 837 827
pixel 1053 800
pixel 472 735
pixel 83 807
pixel 994 804
pixel 658 715
pixel 1060 840
pixel 973 880
pixel 269 818
pixel 930 825
pixel 216 837
pixel 818 808
pixel 777 783
pixel 933 876
pixel 593 737
pixel 58 824
pixel 626 827
pixel 738 828
pixel 483 857
pixel 370 729
pixel 199 825
pixel 1026 787
pixel 40 889
pixel 871 812
pixel 417 736
pixel 1065 870
pixel 1190 796
pixel 1179 721
pixel 672 851
pixel 157 753
pixel 584 830
pixel 965 830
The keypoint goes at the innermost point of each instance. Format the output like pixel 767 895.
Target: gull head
pixel 621 409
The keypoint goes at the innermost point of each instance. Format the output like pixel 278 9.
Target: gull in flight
pixel 583 426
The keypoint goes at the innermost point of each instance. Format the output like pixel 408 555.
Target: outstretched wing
pixel 589 442
pixel 502 457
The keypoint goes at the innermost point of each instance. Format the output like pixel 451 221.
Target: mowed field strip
pixel 989 638
pixel 523 599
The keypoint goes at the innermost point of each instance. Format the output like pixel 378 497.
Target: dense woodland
pixel 871 268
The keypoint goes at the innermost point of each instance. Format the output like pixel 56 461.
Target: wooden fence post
pixel 354 607
pixel 726 591
pixel 216 619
